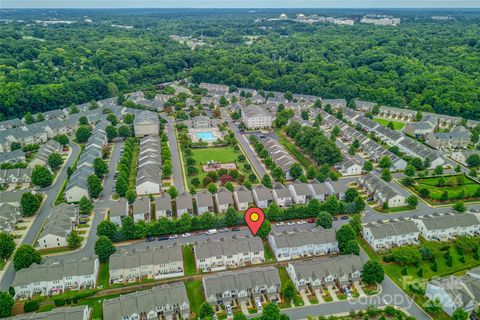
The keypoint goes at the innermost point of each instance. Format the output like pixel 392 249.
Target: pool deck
pixel 212 133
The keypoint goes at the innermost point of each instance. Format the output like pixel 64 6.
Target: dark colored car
pixel 344 218
pixel 236 229
pixel 311 220
pixel 150 239
pixel 161 238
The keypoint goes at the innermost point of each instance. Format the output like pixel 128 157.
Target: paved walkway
pixel 319 296
pixel 332 293
pixel 304 296
pixel 359 289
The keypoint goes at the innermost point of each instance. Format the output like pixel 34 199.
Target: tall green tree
pixel 25 256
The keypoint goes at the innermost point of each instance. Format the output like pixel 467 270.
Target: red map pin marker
pixel 254 218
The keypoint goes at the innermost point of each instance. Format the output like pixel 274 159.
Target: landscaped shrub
pixel 420 272
pixel 68 301
pixel 31 306
pixel 388 258
pixel 59 302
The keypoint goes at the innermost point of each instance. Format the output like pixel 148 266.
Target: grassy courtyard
pixel 188 260
pixel 384 122
pixel 195 295
pixel 227 154
pixel 457 187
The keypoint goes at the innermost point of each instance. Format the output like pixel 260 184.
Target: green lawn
pixel 53 250
pixel 219 154
pixel 2 264
pixel 469 188
pixel 195 295
pixel 269 256
pixel 188 260
pixel 393 210
pixel 384 122
pixel 133 167
pixel 103 276
pixel 284 278
pixel 305 162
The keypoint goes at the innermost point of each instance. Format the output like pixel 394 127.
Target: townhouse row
pixel 456 292
pixel 77 186
pixel 149 263
pixel 390 137
pixel 149 173
pixel 55 276
pixel 241 199
pixel 382 235
pixel 160 302
pixel 60 222
pixel 371 148
pixel 381 192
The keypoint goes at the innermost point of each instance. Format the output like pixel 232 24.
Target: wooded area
pixel 425 64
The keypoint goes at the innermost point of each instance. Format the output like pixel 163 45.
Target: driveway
pixel 176 165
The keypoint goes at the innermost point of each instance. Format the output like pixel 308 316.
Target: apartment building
pixel 146 123
pixel 256 117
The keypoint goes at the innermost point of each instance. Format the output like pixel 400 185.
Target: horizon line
pixel 268 8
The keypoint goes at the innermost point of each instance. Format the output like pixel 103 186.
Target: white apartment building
pixel 256 117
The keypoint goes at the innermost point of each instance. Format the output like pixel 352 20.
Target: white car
pixel 223 230
pixel 290 223
pixel 258 304
pixel 173 236
pixel 300 222
pixel 279 224
pixel 185 235
pixel 211 231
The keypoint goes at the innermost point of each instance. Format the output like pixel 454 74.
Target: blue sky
pixel 240 3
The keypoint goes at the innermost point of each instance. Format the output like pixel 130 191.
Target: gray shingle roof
pixel 142 302
pixel 389 228
pixel 228 246
pixel 124 259
pixel 449 220
pixel 41 272
pixel 298 238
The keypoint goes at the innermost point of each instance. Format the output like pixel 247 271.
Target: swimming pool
pixel 205 136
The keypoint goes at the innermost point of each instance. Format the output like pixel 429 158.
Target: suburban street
pixel 176 164
pixel 51 193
